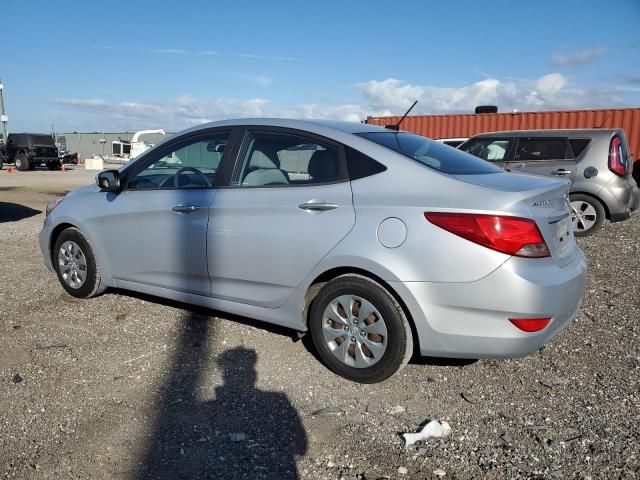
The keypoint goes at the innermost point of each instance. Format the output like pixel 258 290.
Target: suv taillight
pixel 511 235
pixel 617 162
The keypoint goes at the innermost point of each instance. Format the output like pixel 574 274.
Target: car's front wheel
pixel 359 329
pixel 75 265
pixel 587 214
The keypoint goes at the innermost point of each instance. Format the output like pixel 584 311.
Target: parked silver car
pixel 373 240
pixel 596 161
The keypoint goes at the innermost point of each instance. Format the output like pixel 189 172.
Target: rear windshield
pixel 432 154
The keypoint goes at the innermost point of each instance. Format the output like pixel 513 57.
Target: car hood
pixel 511 182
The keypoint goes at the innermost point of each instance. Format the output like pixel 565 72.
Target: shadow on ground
pixel 238 431
pixel 14 212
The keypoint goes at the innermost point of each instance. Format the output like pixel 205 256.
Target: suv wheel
pixel 22 162
pixel 359 330
pixel 53 165
pixel 75 265
pixel 587 214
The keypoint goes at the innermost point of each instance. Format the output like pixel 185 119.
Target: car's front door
pixel 550 157
pixel 287 205
pixel 155 230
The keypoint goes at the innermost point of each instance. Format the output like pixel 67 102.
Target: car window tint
pixel 361 165
pixel 578 145
pixel 281 159
pixel 490 149
pixel 190 165
pixel 531 149
pixel 431 154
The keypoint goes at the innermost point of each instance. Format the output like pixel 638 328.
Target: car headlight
pixel 53 204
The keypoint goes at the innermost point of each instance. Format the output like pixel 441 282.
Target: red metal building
pixel 467 125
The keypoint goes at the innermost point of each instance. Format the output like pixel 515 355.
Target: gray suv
pixel 596 161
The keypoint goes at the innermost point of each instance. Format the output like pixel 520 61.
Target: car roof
pixel 574 132
pixel 300 124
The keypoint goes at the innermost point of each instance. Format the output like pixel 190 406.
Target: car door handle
pixel 185 208
pixel 561 171
pixel 315 206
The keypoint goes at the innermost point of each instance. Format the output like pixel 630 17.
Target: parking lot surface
pixel 130 386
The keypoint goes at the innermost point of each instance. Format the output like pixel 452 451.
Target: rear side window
pixel 578 145
pixel 532 149
pixel 361 165
pixel 431 154
pixel 490 149
pixel 283 159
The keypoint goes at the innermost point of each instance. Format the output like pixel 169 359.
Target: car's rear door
pixel 287 204
pixel 549 157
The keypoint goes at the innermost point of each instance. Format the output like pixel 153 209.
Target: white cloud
pixel 268 57
pixel 379 97
pixel 577 57
pixel 261 80
pixel 552 91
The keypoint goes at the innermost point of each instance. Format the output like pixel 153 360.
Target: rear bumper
pixel 470 320
pixel 622 198
pixel 44 159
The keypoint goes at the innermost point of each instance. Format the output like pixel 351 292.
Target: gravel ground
pixel 129 386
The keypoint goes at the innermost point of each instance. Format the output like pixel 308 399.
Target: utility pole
pixel 3 117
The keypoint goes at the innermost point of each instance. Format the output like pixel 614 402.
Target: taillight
pixel 530 324
pixel 617 162
pixel 511 235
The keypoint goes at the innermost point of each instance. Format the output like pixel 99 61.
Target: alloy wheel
pixel 354 331
pixel 583 215
pixel 72 264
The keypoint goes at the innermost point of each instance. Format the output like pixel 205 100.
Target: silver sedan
pixel 378 242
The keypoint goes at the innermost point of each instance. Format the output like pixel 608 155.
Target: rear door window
pixel 490 149
pixel 431 154
pixel 578 145
pixel 541 149
pixel 287 159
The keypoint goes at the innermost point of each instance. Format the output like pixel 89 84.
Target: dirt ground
pixel 128 386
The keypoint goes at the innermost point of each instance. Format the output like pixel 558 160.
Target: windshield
pixel 432 154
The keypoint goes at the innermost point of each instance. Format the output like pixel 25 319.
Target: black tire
pixel 22 162
pixel 600 215
pixel 399 337
pixel 1 163
pixel 53 165
pixel 92 285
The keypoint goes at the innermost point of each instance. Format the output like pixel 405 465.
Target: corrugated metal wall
pixel 453 126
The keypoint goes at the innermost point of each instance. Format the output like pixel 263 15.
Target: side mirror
pixel 109 180
pixel 215 147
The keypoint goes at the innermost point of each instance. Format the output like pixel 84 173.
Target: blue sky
pixel 115 65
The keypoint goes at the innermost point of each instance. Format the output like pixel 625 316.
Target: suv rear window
pixel 532 149
pixel 431 154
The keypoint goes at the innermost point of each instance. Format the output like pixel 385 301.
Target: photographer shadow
pixel 243 432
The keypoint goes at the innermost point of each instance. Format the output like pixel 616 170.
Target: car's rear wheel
pixel 22 162
pixel 359 329
pixel 587 214
pixel 75 265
